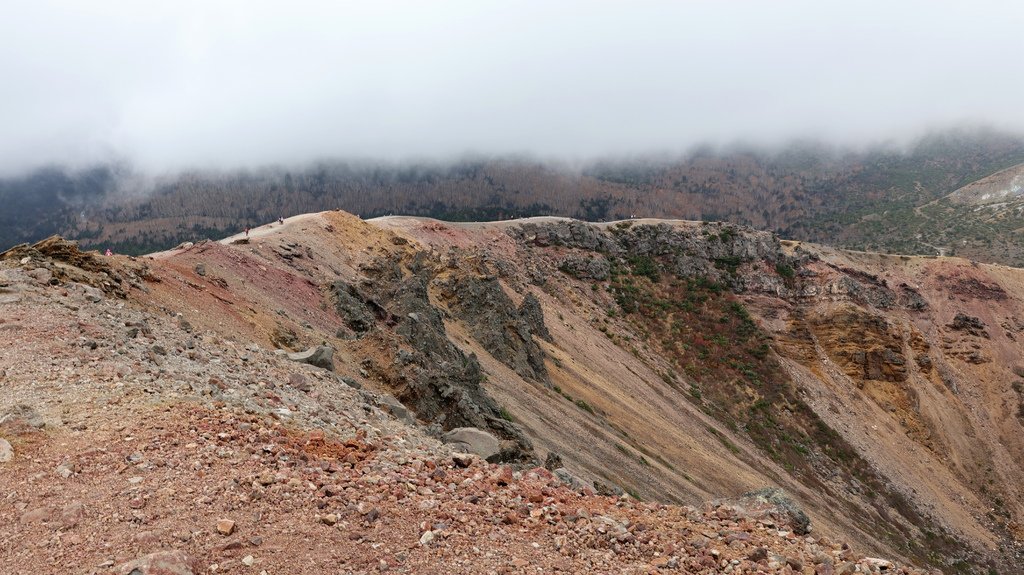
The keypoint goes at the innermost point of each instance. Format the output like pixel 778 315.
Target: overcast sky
pixel 232 83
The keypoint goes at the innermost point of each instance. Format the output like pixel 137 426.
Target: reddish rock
pixel 70 516
pixel 503 476
pixel 225 526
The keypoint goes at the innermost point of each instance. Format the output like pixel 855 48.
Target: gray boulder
pixel 473 440
pixel 775 503
pixel 391 405
pixel 320 356
pixel 6 451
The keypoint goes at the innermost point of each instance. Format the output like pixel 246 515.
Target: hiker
pixel 246 231
pixel 108 252
pixel 280 221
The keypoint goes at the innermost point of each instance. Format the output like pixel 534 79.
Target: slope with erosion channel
pixel 851 379
pixel 677 361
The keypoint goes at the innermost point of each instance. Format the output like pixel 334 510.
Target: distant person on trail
pixel 280 221
pixel 108 252
pixel 247 231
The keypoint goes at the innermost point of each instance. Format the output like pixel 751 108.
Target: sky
pixel 220 83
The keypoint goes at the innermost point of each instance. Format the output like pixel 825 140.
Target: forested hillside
pixel 856 199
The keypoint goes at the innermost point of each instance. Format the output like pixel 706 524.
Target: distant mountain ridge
pixel 880 199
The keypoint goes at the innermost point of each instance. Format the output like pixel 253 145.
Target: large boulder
pixel 775 503
pixel 320 356
pixel 161 563
pixel 473 440
pixel 391 405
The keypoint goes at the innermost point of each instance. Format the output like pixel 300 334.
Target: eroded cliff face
pixel 884 382
pixel 405 345
pixel 676 361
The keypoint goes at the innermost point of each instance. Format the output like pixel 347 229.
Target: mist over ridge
pixel 224 85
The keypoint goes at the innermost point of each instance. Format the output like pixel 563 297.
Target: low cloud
pixel 224 84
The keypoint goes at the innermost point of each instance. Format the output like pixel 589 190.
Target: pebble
pixel 463 459
pixel 225 527
pixel 329 519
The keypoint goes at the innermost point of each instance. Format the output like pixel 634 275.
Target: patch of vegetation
pixel 644 266
pixel 565 395
pixel 729 263
pixel 785 271
pixel 727 235
pixel 734 376
pixel 584 406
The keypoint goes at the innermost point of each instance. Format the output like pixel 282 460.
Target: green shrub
pixel 584 406
pixel 644 266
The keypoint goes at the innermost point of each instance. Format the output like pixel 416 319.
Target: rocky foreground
pixel 133 443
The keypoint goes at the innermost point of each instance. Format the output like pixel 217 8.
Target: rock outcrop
pixel 713 251
pixel 66 263
pixel 592 267
pixel 359 313
pixel 865 346
pixel 426 371
pixel 504 330
pixel 969 325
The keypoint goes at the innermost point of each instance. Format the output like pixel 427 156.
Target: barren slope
pixel 677 361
